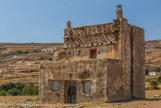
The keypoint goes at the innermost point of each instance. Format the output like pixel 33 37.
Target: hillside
pixel 153 53
pixel 21 62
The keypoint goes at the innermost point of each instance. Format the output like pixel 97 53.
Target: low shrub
pixel 146 72
pixel 159 79
pixel 157 69
pixel 3 93
pixel 50 59
pixel 42 58
pixel 14 92
pixel 15 89
pixel 14 53
pixel 35 51
pixel 154 84
pixel 30 90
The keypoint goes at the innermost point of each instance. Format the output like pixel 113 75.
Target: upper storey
pixel 110 40
pixel 88 36
pixel 96 35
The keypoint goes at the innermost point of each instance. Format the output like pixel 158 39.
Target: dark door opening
pixel 93 53
pixel 71 92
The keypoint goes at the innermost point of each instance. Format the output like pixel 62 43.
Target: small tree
pixel 19 86
pixel 30 90
pixel 50 59
pixel 13 92
pixel 146 72
pixel 3 93
pixel 159 79
pixel 8 86
pixel 157 69
pixel 42 58
pixel 154 84
pixel 19 52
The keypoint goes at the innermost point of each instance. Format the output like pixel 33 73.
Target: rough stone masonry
pixel 98 63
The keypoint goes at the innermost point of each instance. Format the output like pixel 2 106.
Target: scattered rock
pixel 157 96
pixel 28 100
pixel 80 106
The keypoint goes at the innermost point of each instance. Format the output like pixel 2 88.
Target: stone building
pixel 98 63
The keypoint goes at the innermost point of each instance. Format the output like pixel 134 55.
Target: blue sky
pixel 43 21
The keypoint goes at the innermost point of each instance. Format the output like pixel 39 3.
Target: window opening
pixel 93 53
pixel 87 85
pixel 54 86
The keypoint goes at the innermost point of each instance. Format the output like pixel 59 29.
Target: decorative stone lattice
pixel 91 35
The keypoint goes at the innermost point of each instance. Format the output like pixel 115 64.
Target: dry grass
pixel 149 102
pixel 9 99
pixel 148 79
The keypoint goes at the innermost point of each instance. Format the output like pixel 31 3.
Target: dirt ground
pixel 149 102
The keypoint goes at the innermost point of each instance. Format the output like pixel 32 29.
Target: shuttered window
pixel 54 86
pixel 87 86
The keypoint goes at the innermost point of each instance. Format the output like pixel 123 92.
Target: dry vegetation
pixel 153 53
pixel 25 67
pixel 21 62
pixel 149 102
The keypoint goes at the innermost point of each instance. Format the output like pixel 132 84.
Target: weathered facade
pixel 98 63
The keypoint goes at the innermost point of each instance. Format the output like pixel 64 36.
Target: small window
pixel 93 53
pixel 87 85
pixel 54 86
pixel 79 52
pixel 70 53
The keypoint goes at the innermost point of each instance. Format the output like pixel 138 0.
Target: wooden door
pixel 71 89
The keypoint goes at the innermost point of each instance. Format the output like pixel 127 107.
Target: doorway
pixel 71 89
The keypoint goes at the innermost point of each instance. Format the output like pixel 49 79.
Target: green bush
pixel 35 51
pixel 42 58
pixel 159 79
pixel 1 88
pixel 8 86
pixel 14 92
pixel 50 59
pixel 157 69
pixel 146 72
pixel 20 86
pixel 26 52
pixel 6 55
pixel 14 89
pixel 14 53
pixel 30 90
pixel 19 52
pixel 3 93
pixel 154 84
pixel 147 88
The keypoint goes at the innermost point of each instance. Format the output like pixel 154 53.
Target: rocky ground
pixel 153 100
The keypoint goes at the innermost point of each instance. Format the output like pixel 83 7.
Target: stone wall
pixel 109 51
pixel 138 62
pixel 105 74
